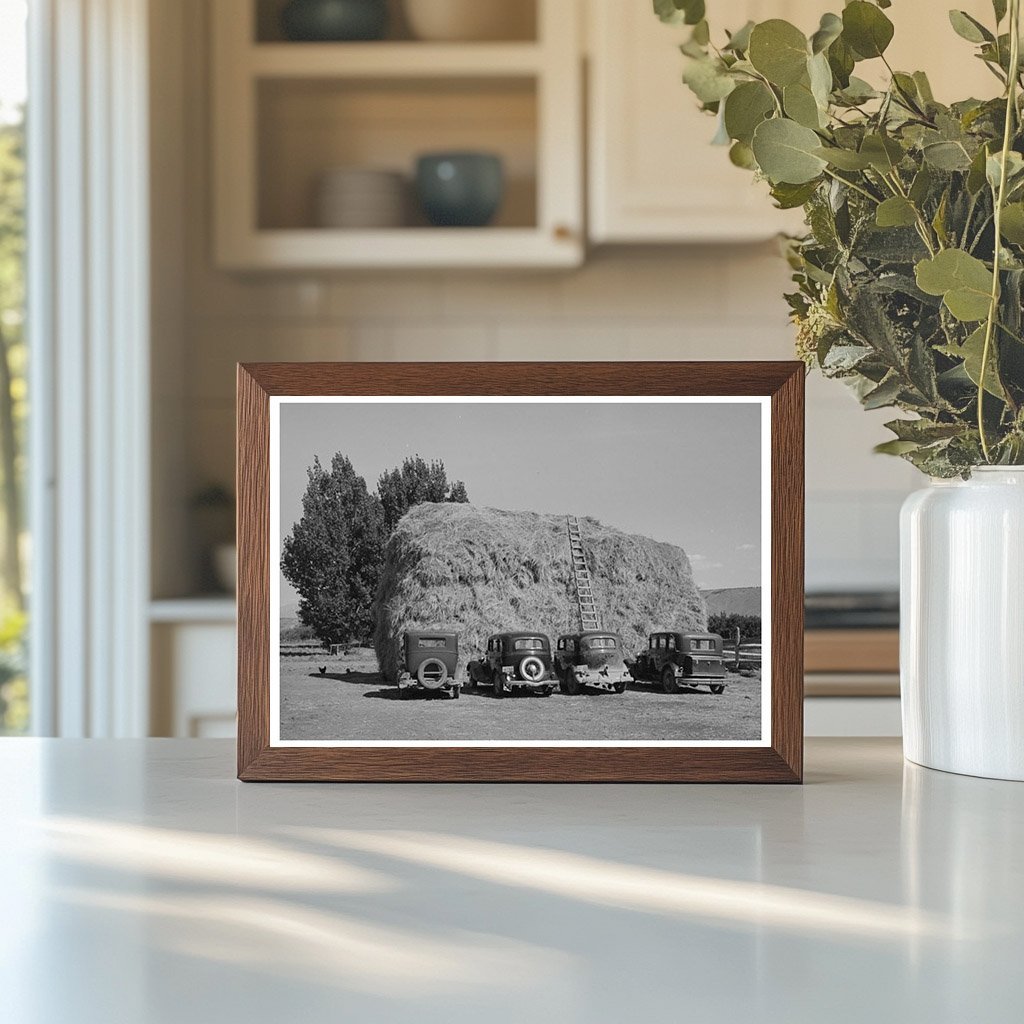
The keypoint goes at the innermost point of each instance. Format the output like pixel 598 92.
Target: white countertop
pixel 143 885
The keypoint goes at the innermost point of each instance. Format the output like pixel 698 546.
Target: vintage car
pixel 590 659
pixel 682 659
pixel 429 660
pixel 515 661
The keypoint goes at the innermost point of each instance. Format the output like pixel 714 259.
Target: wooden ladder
pixel 589 619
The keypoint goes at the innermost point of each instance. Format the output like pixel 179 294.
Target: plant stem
pixel 993 309
pixel 856 188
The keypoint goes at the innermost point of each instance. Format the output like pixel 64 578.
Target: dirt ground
pixel 351 702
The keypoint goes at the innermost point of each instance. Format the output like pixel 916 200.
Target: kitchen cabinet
pixel 286 113
pixel 653 175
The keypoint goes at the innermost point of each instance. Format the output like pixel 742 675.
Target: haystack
pixel 481 571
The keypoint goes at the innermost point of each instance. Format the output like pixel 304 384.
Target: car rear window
pixel 601 642
pixel 431 642
pixel 530 643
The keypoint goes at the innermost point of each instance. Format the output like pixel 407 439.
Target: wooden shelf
pixel 852 650
pixel 284 113
pixel 401 247
pixel 393 60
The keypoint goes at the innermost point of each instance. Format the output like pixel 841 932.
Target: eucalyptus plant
pixel 909 280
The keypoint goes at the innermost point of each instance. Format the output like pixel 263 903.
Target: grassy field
pixel 351 702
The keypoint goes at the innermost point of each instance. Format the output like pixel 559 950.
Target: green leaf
pixel 963 281
pixel 1014 169
pixel 883 153
pixel 820 76
pixel 676 12
pixel 800 105
pixel 921 185
pixel 739 41
pixel 884 395
pixel 866 29
pixel 1012 226
pixel 789 197
pixel 971 352
pixel 896 447
pixel 896 212
pixel 841 60
pixel 778 50
pixel 844 159
pixel 976 174
pixel 708 80
pixel 947 156
pixel 746 107
pixel 830 29
pixel 741 155
pixel 785 152
pixel 969 28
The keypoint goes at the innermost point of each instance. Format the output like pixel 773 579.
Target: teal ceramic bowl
pixel 460 190
pixel 334 21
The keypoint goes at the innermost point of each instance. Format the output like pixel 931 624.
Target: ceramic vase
pixel 962 624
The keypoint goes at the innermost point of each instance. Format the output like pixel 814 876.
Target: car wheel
pixel 718 688
pixel 668 680
pixel 498 685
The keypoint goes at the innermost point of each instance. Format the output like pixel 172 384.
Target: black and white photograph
pixel 498 571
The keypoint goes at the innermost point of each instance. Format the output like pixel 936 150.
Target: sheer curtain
pixel 88 300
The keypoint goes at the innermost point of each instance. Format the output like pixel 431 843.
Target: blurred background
pixel 246 180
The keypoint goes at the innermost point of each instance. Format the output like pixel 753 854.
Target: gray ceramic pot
pixel 334 20
pixel 460 189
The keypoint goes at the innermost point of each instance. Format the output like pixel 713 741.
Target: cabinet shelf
pixel 393 60
pixel 310 248
pixel 285 114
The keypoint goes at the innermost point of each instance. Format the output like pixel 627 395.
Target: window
pixel 14 691
pixel 531 643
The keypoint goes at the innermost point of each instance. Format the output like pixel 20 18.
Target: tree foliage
pixel 335 553
pixel 726 624
pixel 412 483
pixel 910 277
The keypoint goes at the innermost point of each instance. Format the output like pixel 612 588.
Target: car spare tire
pixel 432 674
pixel 531 669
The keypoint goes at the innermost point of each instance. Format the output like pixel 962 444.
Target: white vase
pixel 962 624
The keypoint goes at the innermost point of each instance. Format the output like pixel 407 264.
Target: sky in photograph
pixel 683 473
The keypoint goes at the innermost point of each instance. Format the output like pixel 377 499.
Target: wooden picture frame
pixel 779 759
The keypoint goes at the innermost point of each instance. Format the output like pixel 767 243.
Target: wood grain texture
pixel 852 650
pixel 781 762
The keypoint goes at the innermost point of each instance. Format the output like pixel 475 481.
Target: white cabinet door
pixel 653 175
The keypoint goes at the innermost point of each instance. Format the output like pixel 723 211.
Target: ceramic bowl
pixel 334 20
pixel 460 189
pixel 360 197
pixel 470 20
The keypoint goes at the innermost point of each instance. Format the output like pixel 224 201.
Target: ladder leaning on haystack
pixel 589 619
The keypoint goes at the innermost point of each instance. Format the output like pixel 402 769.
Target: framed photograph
pixel 520 572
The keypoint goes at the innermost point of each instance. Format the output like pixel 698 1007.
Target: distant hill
pixel 733 601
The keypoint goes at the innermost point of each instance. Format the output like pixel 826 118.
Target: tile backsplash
pixel 702 303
